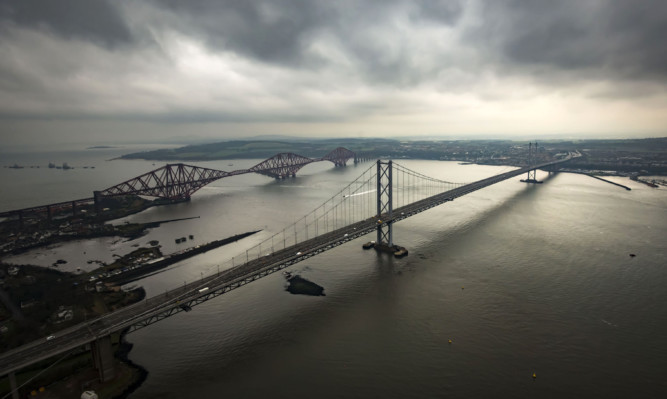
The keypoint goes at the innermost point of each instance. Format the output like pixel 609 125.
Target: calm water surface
pixel 522 279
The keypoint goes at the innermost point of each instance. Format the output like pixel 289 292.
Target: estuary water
pixel 521 278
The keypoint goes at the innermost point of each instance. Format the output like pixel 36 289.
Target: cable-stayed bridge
pixel 382 195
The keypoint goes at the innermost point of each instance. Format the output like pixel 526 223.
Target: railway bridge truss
pixel 179 181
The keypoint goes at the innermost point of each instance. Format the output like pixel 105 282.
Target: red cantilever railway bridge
pixel 179 181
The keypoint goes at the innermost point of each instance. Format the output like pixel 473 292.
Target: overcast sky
pixel 101 71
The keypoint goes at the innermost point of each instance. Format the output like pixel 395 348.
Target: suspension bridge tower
pixel 385 222
pixel 532 173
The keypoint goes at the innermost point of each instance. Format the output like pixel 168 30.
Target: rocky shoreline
pixel 122 354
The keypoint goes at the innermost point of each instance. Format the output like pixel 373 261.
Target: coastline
pixel 122 354
pixel 130 375
pixel 154 268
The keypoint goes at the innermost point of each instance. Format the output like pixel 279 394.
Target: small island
pixel 300 286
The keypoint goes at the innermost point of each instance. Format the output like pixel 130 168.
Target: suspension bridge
pixel 382 195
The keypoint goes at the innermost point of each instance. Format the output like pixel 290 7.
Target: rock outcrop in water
pixel 300 286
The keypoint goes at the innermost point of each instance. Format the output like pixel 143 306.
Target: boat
pixel 369 245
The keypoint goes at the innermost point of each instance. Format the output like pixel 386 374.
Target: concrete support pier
pixel 396 250
pixel 97 201
pixel 103 358
pixel 12 385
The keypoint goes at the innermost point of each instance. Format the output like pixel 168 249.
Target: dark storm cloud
pixel 438 11
pixel 91 20
pixel 272 31
pixel 552 41
pixel 607 38
pixel 330 61
pixel 381 38
pixel 280 31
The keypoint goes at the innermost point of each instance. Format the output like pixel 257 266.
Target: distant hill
pixel 239 149
pixel 630 155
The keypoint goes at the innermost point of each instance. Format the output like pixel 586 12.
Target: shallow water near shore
pixel 521 278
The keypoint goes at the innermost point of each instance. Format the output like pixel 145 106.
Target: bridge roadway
pixel 152 310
